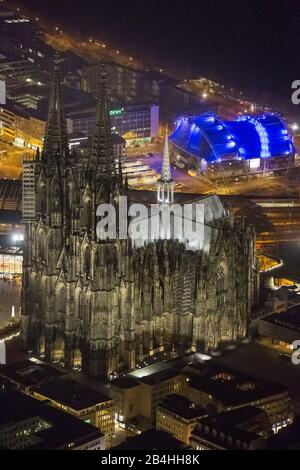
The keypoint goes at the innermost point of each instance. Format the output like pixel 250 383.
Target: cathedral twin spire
pixel 56 145
pixel 102 149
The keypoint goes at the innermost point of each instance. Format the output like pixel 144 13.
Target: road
pixel 89 48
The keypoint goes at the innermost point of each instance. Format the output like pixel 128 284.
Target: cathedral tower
pixel 165 184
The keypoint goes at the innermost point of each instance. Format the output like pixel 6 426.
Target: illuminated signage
pixel 116 112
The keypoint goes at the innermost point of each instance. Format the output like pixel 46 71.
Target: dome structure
pixel 248 136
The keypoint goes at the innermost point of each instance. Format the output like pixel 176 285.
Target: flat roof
pixel 125 382
pixel 71 393
pixel 151 440
pixel 224 436
pixel 159 377
pixel 237 417
pixel 182 406
pixel 19 110
pixel 233 388
pixel 289 318
pixel 29 373
pixel 16 407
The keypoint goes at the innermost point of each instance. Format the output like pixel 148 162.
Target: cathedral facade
pixel 105 306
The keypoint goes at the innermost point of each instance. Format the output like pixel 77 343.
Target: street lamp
pixel 295 126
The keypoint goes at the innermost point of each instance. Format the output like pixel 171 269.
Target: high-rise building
pixel 127 85
pixel 105 305
pixel 137 124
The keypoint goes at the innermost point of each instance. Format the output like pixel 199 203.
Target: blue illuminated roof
pixel 246 137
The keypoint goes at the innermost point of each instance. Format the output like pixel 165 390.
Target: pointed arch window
pixel 41 244
pixel 87 214
pixel 221 272
pixel 61 300
pixel 41 205
pixel 86 259
pixel 71 194
pixel 221 283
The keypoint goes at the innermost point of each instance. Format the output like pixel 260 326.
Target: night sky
pixel 243 43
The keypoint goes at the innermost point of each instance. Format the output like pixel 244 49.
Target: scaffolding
pixel 28 190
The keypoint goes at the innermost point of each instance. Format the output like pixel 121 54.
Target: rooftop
pixel 125 382
pixel 71 393
pixel 219 429
pixel 206 136
pixel 233 388
pixel 182 407
pixel 159 377
pixel 19 110
pixel 50 427
pixel 238 417
pixel 28 373
pixel 151 440
pixel 289 318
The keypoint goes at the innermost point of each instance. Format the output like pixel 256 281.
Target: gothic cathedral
pixel 105 306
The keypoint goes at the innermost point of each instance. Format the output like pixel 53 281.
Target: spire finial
pixel 166 169
pixel 102 150
pixel 165 190
pixel 56 137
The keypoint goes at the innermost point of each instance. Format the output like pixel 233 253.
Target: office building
pixel 136 398
pixel 80 401
pixel 27 423
pixel 26 375
pixel 222 389
pixel 137 124
pixel 281 329
pixel 178 416
pixel 244 429
pixel 127 85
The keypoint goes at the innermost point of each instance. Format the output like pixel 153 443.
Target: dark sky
pixel 246 43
